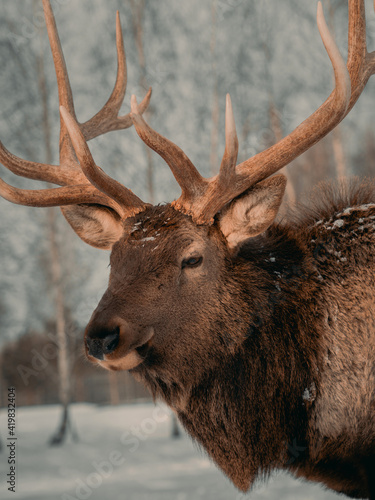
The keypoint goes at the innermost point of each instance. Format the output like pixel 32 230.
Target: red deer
pixel 259 335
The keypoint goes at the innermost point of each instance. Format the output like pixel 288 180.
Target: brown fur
pixel 266 353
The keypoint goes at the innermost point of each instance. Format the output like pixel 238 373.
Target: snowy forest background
pixel 268 55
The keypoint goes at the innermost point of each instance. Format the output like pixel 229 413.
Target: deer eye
pixel 194 261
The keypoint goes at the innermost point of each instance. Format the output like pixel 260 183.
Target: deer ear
pixel 253 212
pixel 97 225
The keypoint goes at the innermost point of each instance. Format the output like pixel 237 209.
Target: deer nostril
pixel 95 348
pixel 111 342
pixel 100 342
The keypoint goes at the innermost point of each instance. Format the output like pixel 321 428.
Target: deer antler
pixel 203 198
pixel 88 184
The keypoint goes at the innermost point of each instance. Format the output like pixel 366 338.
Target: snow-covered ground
pixel 123 453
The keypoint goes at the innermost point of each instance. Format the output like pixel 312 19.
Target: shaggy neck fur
pixel 247 410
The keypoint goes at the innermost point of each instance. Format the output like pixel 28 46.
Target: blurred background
pixel 268 55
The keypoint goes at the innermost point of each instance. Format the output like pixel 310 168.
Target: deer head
pixel 172 292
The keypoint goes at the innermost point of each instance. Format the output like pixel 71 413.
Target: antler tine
pixel 63 87
pixel 361 64
pixel 67 195
pixel 40 171
pixel 124 196
pixel 228 163
pixel 34 170
pixel 107 118
pixel 185 173
pixel 91 127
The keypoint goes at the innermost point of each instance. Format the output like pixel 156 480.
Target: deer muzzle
pixel 116 344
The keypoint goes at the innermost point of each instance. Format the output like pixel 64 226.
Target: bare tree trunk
pixel 56 273
pixel 2 404
pixel 214 162
pixel 1 392
pixel 113 388
pixel 79 393
pixel 246 129
pixel 336 136
pixel 137 9
pixel 276 128
pixel 176 433
pixel 275 124
pixel 62 341
pixel 338 152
